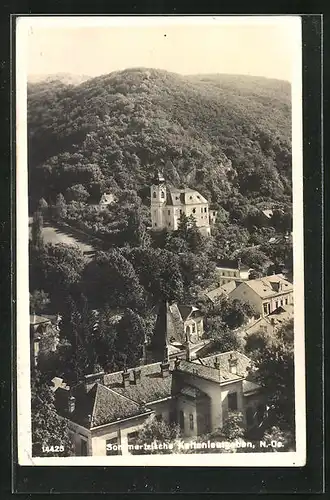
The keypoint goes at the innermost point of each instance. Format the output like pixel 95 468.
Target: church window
pixel 205 209
pixel 154 194
pixel 162 194
pixel 194 210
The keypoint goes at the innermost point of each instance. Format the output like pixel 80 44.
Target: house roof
pixel 37 320
pixel 186 196
pixel 231 264
pixel 224 289
pixel 187 311
pixel 152 386
pixel 268 213
pixel 109 401
pixel 269 286
pixel 250 387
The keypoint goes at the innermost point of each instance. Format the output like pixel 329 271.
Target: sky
pixel 255 46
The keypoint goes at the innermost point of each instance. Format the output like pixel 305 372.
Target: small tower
pixel 158 201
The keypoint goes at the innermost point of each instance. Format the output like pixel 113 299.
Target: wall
pixel 245 293
pixel 188 407
pixel 157 206
pixel 116 429
pixel 162 408
pixel 79 433
pixel 230 388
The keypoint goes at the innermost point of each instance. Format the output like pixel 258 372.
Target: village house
pixel 107 199
pixel 265 294
pixel 177 327
pixel 168 204
pixel 271 323
pixel 106 411
pixel 227 270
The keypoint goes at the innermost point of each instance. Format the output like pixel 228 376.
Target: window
pixel 112 446
pixel 83 447
pixel 187 329
pixel 276 304
pixel 205 209
pixel 180 211
pixel 193 328
pixel 154 194
pixel 286 301
pixel 162 194
pixel 232 401
pixel 191 422
pixel 265 306
pixel 194 210
pixel 169 212
pixel 181 419
pixel 155 224
pixel 201 210
pixel 131 438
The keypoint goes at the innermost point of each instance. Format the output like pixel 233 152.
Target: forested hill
pixel 224 135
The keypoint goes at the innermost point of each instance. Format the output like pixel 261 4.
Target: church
pixel 168 204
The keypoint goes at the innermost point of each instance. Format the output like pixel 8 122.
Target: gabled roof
pixel 224 289
pixel 269 286
pixel 243 363
pixel 110 406
pixel 152 386
pixel 186 196
pixel 187 311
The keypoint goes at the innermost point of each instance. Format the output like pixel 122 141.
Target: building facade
pixel 168 204
pixel 106 411
pixel 266 294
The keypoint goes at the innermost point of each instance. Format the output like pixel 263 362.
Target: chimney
pixel 177 363
pixel 188 351
pixel 137 376
pixel 217 363
pixel 126 380
pixel 71 404
pixel 165 368
pixel 232 362
pixel 92 379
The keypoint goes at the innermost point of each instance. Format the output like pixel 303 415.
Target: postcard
pixel 160 278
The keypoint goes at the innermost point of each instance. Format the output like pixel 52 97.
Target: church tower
pixel 158 201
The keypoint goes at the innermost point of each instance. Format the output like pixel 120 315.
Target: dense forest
pixel 227 136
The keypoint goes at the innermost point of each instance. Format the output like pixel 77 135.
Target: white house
pixel 167 205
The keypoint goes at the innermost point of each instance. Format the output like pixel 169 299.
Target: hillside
pixel 224 135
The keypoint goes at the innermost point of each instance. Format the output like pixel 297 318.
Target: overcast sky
pixel 252 48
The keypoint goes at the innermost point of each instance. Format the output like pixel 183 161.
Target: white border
pixel 283 459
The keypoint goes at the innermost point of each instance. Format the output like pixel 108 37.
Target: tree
pixel 224 339
pixel 111 279
pixel 55 268
pixel 38 301
pixel 233 426
pixel 284 437
pixel 129 340
pixel 77 192
pixel 275 373
pixel 159 272
pixel 36 230
pixel 60 207
pixel 154 435
pixel 43 205
pixel 48 428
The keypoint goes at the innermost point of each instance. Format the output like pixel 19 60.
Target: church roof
pixel 185 196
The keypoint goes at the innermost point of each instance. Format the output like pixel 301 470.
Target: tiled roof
pixel 200 370
pixel 243 363
pixel 192 392
pixel 184 196
pixel 224 289
pixel 152 386
pixel 186 311
pixel 269 286
pixel 110 406
pixel 249 387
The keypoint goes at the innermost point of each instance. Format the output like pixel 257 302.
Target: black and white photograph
pixel 160 282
